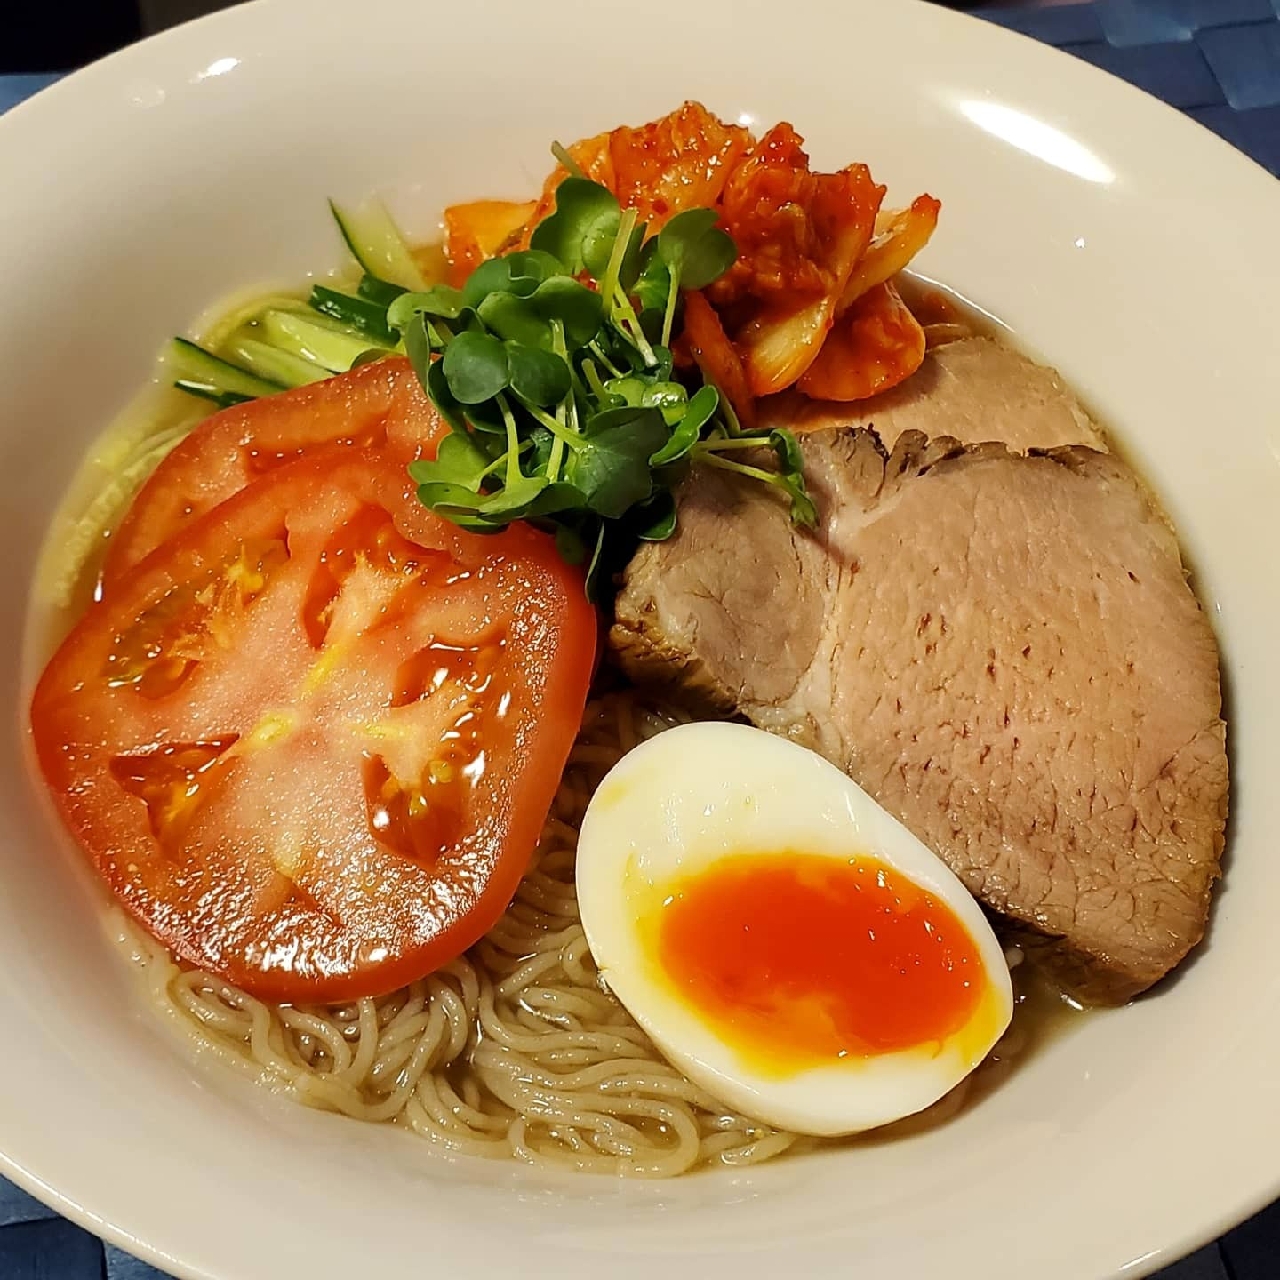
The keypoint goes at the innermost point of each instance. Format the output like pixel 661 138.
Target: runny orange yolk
pixel 800 960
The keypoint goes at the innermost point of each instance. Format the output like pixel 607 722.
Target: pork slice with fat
pixel 1002 649
pixel 974 390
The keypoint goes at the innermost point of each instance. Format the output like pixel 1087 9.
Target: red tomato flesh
pixel 310 743
pixel 380 405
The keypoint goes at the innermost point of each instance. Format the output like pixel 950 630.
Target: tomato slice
pixel 311 742
pixel 379 405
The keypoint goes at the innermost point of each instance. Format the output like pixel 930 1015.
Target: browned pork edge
pixel 974 389
pixel 1002 649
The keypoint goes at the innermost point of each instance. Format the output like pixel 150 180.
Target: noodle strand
pixel 514 1049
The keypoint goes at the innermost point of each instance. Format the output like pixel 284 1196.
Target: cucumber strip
pixel 243 309
pixel 377 245
pixel 280 366
pixel 189 362
pixel 359 313
pixel 206 391
pixel 378 291
pixel 314 338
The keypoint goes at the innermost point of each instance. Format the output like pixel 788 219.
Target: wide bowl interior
pixel 1129 247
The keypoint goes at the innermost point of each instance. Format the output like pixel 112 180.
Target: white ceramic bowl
pixel 1130 247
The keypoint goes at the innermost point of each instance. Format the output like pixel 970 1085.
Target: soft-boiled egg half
pixel 783 940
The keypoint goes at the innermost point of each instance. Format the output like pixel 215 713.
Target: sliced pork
pixel 973 390
pixel 1002 649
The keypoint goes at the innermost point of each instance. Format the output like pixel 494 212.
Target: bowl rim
pixel 29 116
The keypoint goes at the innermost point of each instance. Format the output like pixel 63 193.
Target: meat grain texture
pixel 1002 648
pixel 973 390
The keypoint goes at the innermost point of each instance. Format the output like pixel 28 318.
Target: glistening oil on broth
pixel 116 465
pixel 153 422
pixel 514 1048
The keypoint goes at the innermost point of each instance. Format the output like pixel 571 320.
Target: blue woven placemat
pixel 1217 60
pixel 13 89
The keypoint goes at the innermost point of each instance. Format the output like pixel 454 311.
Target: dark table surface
pixel 1217 60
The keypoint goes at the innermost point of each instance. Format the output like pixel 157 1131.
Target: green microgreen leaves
pixel 538 377
pixel 695 249
pixel 440 301
pixel 579 310
pixel 519 274
pixel 688 429
pixel 657 517
pixel 787 476
pixel 582 230
pixel 653 286
pixel 516 319
pixel 611 464
pixel 553 368
pixel 476 367
pixel 459 460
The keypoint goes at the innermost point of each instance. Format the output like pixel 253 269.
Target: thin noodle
pixel 514 1049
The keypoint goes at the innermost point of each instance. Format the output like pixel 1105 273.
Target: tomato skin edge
pixel 562 696
pixel 211 464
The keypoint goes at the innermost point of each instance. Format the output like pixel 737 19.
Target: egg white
pixel 700 793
